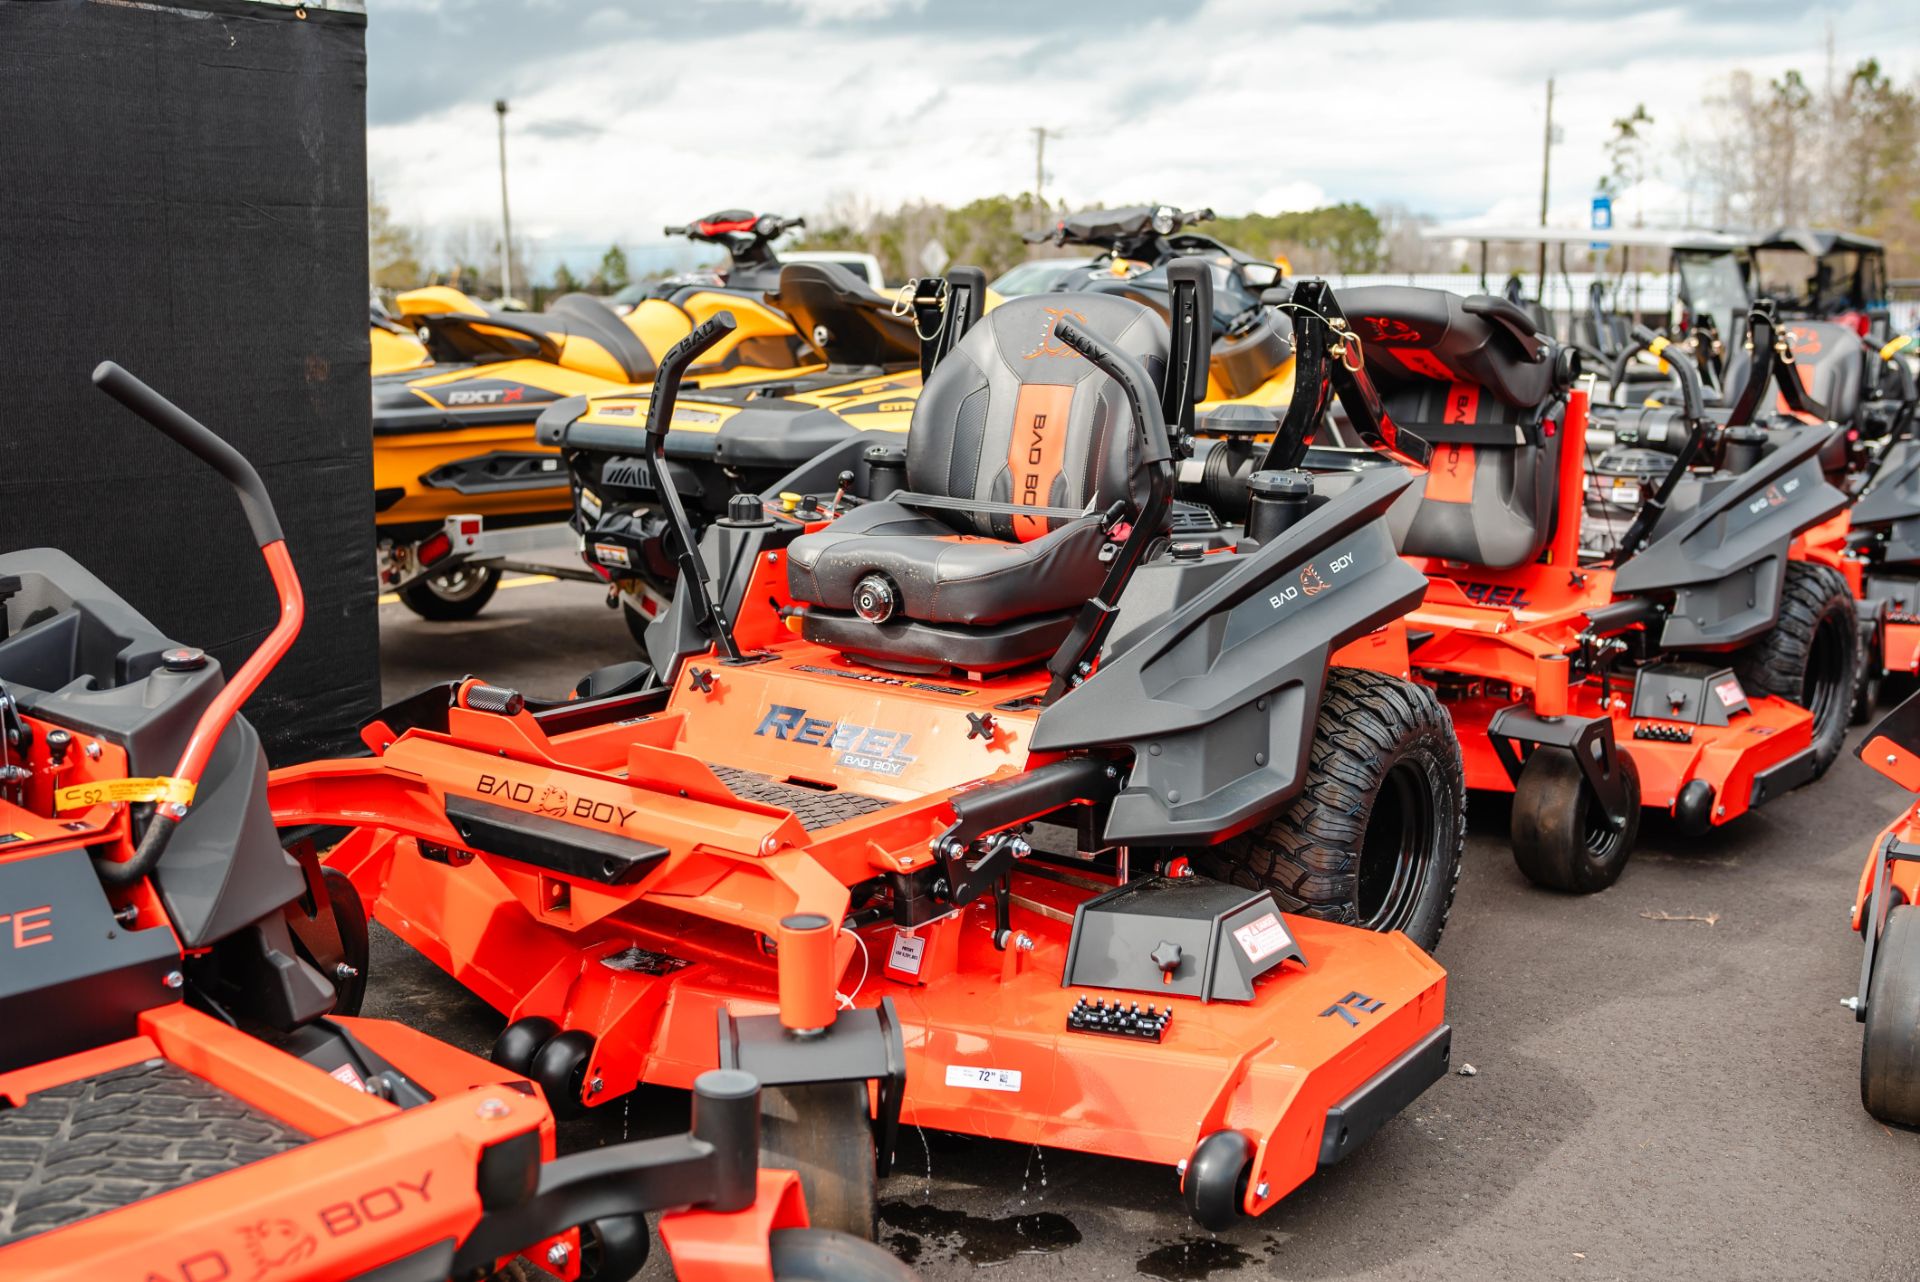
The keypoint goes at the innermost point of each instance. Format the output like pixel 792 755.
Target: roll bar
pixel 187 431
pixel 666 391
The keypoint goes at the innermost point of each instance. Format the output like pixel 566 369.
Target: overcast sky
pixel 625 117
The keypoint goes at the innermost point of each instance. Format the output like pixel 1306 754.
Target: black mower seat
pixel 1483 505
pixel 1010 419
pixel 1472 376
pixel 1411 333
pixel 587 316
pixel 1830 361
pixel 842 318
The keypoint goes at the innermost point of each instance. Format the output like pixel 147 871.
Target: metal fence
pixel 1903 304
pixel 1646 295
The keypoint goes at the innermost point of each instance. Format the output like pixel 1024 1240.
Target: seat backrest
pixel 587 316
pixel 1408 333
pixel 1012 415
pixel 1471 375
pixel 840 316
pixel 1830 360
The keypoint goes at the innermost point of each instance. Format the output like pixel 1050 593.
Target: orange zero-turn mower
pixel 1663 677
pixel 186 1095
pixel 1886 915
pixel 953 815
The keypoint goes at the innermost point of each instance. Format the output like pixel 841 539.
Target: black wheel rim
pixel 1596 830
pixel 461 584
pixel 1398 851
pixel 1827 690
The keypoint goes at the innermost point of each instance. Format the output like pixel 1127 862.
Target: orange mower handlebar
pixel 233 466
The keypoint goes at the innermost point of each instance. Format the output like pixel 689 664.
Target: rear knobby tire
pixel 1810 656
pixel 822 1255
pixel 823 1133
pixel 1562 838
pixel 1890 1048
pixel 453 596
pixel 1872 681
pixel 1375 835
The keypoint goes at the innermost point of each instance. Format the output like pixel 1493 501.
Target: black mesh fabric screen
pixel 183 190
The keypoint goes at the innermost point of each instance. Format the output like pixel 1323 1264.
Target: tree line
pixel 1758 152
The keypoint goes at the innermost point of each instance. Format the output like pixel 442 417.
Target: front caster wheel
pixel 1890 1050
pixel 520 1041
pixel 1562 837
pixel 823 1133
pixel 821 1255
pixel 614 1249
pixel 560 1068
pixel 1215 1186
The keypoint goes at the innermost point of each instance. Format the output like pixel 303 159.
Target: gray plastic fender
pixel 1895 495
pixel 1725 560
pixel 1216 696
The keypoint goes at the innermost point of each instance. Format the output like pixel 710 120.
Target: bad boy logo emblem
pixel 274 1244
pixel 1048 344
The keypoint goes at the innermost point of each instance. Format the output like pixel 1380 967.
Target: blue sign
pixel 1602 219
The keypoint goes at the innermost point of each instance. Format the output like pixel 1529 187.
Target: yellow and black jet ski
pixel 846 410
pixel 454 451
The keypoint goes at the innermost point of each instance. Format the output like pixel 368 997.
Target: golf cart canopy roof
pixel 1695 238
pixel 1817 243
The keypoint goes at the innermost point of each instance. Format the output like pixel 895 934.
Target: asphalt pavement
pixel 1664 1082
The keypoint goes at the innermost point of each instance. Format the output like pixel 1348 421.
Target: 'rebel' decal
pixel 870 748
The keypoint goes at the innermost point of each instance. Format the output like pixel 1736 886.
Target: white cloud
pixel 1241 106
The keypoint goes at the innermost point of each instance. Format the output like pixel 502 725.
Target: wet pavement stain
pixel 1193 1259
pixel 904 1247
pixel 975 1238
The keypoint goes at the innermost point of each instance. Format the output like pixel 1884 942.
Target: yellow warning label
pixel 100 791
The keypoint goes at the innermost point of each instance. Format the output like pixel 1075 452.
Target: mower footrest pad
pixel 101 1143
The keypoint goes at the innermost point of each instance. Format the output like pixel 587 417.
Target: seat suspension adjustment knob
pixel 874 599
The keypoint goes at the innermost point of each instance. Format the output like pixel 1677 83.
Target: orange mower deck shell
pixel 645 968
pixel 1902 766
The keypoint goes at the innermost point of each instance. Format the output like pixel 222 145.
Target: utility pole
pixel 506 219
pixel 1546 169
pixel 1040 170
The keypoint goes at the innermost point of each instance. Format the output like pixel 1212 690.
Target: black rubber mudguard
pixel 1216 697
pixel 1725 558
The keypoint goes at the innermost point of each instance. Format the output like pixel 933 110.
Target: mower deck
pixel 1490 647
pixel 625 859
